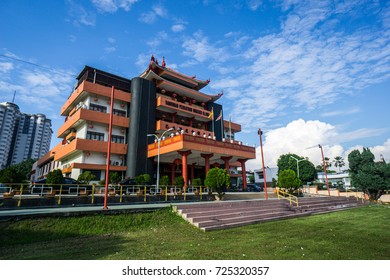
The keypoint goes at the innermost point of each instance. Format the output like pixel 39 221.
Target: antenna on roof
pixel 13 98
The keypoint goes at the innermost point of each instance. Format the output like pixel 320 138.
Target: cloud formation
pixel 111 6
pixel 313 61
pixel 302 138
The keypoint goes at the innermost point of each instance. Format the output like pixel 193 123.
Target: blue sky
pixel 305 72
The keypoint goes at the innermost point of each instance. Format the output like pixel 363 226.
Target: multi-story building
pixel 22 136
pixel 159 101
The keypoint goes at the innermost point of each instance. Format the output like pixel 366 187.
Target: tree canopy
pixel 17 173
pixel 288 181
pixel 307 170
pixel 367 175
pixel 217 179
pixel 54 177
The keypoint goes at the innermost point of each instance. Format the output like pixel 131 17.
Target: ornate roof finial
pixel 163 62
pixel 152 59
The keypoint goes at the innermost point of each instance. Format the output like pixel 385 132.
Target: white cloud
pixel 199 48
pixel 79 15
pixel 151 16
pixel 111 40
pixel 111 6
pixel 72 38
pixel 6 67
pixel 341 112
pixel 307 65
pixel 254 4
pixel 302 138
pixel 110 49
pixel 178 27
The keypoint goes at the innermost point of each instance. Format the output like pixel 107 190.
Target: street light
pixel 323 163
pixel 262 160
pixel 158 154
pixel 298 161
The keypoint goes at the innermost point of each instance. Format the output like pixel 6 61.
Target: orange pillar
pixel 242 161
pixel 206 162
pixel 184 166
pixel 226 160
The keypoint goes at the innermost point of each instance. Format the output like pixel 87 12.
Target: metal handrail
pixel 287 196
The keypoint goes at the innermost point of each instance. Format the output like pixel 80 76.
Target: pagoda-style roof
pixel 189 86
pixel 170 74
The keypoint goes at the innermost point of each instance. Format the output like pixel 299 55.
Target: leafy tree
pixel 11 175
pixel 17 173
pixel 142 179
pixel 217 179
pixel 339 162
pixel 251 178
pixel 115 178
pixel 328 163
pixel 55 177
pixel 288 181
pixel 24 168
pixel 164 181
pixel 367 176
pixel 179 181
pixel 197 182
pixel 307 171
pixel 86 177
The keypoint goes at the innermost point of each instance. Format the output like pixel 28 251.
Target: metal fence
pixel 25 194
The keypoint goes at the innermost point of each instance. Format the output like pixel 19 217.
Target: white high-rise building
pixel 22 136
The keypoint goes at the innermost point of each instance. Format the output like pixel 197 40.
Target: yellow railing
pixel 355 194
pixel 291 198
pixel 25 191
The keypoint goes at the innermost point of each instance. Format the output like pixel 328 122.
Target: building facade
pixel 159 101
pixel 22 136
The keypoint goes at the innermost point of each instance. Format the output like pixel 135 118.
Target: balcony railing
pixel 182 107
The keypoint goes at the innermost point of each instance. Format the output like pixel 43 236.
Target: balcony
pixel 71 136
pixel 89 145
pixel 172 106
pixel 87 87
pixel 164 125
pixel 93 116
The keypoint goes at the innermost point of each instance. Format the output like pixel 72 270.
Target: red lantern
pixel 177 161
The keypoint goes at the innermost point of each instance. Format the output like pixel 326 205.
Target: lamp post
pixel 262 161
pixel 323 163
pixel 298 161
pixel 158 154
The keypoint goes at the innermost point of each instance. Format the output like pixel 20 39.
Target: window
pixel 120 113
pixel 118 139
pixel 95 136
pixel 95 107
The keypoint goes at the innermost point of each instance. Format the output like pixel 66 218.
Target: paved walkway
pixel 78 210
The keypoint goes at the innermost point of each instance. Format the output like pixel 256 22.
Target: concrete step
pixel 259 213
pixel 227 214
pixel 250 221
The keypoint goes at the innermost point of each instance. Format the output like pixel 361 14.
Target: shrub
pixel 164 181
pixel 55 177
pixel 179 181
pixel 142 179
pixel 217 179
pixel 86 177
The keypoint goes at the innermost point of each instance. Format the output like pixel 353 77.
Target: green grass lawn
pixel 361 233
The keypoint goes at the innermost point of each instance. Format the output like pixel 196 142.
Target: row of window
pixel 100 137
pixel 103 109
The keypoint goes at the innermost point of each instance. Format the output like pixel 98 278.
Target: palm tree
pixel 339 162
pixel 328 163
